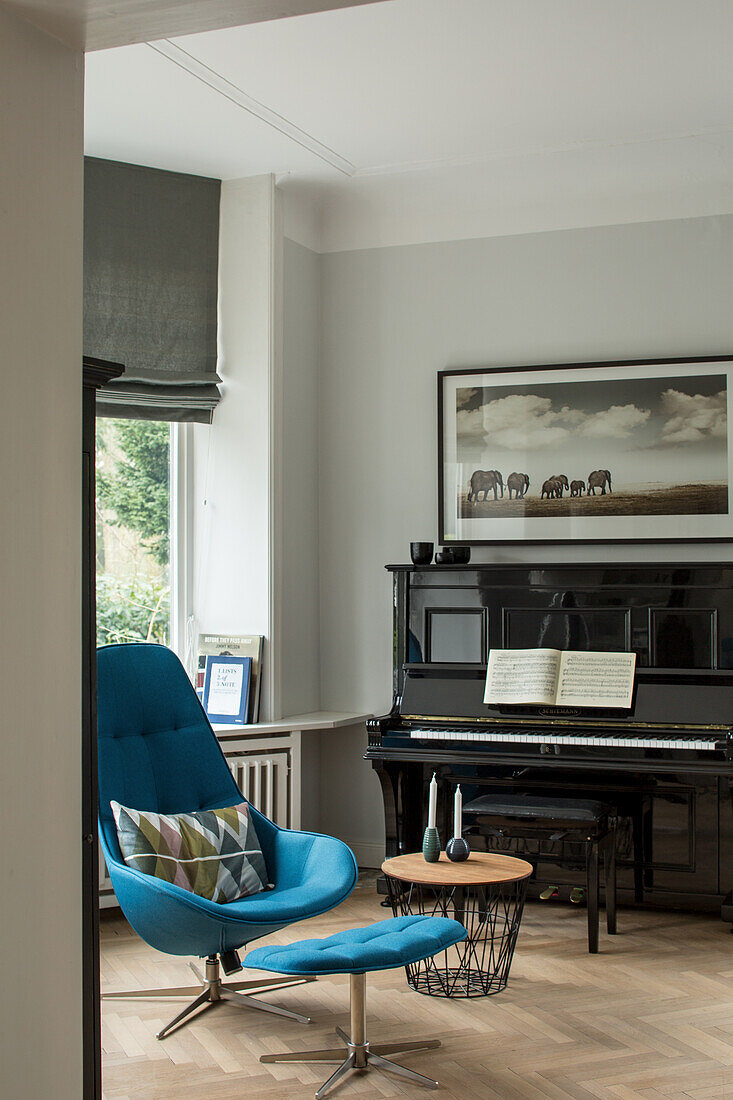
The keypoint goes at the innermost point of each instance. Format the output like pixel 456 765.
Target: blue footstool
pixel 381 946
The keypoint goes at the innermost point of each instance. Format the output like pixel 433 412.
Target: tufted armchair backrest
pixel 156 748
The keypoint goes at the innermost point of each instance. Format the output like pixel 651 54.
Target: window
pixel 134 530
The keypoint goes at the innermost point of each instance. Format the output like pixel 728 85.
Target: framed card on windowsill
pixel 235 645
pixel 226 688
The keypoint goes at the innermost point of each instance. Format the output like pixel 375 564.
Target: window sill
pixel 316 720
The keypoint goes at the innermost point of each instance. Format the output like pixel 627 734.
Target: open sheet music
pixel 553 677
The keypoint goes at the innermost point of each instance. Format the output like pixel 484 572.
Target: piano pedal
pixel 550 893
pixel 577 895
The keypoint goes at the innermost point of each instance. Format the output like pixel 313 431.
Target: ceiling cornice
pixel 470 160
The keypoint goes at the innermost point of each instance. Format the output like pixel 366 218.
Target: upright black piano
pixel 667 764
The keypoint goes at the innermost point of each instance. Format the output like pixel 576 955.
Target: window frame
pixel 181 535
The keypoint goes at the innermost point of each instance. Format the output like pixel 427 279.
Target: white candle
pixel 433 803
pixel 458 813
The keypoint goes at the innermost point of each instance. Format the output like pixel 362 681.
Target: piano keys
pixel 667 763
pixel 596 739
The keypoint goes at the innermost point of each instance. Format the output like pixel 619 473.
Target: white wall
pixel 298 652
pixel 255 496
pixel 40 558
pixel 299 655
pixel 256 468
pixel 393 317
pixel 233 470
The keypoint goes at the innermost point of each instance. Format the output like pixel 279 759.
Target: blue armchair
pixel 157 751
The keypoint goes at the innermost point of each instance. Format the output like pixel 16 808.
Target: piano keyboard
pixel 586 740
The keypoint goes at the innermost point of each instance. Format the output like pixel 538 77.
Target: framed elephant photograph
pixel 628 451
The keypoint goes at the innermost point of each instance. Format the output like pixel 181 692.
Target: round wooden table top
pixel 480 869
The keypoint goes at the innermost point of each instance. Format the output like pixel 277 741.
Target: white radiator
pixel 263 780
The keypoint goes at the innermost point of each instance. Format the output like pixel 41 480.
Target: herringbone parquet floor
pixel 650 1016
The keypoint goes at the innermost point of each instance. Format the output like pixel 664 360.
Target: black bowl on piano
pixel 453 555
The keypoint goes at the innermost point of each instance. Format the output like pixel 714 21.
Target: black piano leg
pixel 414 800
pixel 638 839
pixel 396 782
pixel 404 816
pixel 609 864
pixel 592 876
pixel 389 779
pixel 649 843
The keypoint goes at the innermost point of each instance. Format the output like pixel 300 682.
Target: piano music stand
pixel 486 894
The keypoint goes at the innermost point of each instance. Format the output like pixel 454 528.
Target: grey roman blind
pixel 151 245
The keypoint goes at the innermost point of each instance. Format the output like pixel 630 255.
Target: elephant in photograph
pixel 598 480
pixel 553 487
pixel 561 482
pixel 482 481
pixel 518 484
pixel 577 488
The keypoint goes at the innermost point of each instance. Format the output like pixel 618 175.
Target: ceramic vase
pixel 431 846
pixel 457 849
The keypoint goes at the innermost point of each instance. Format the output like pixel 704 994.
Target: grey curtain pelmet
pixel 151 250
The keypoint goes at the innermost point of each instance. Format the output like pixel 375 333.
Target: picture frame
pixel 234 645
pixel 639 448
pixel 226 689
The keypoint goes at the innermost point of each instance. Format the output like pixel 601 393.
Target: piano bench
pixel 535 817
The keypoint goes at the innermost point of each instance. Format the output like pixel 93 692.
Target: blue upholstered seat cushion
pixel 381 946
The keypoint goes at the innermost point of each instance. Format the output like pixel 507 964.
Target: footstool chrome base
pixel 360 1055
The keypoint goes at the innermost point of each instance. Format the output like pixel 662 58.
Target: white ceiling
pixel 542 105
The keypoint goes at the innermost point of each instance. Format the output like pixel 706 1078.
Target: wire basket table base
pixel 491 914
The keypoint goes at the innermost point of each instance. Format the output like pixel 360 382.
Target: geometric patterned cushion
pixel 212 853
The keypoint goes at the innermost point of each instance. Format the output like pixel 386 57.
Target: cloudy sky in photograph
pixel 669 430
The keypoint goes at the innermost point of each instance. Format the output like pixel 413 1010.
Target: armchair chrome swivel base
pixel 213 991
pixel 359 1054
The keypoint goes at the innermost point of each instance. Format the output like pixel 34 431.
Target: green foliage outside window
pixel 133 589
pixel 132 610
pixel 137 492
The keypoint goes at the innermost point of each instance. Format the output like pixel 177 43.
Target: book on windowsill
pixel 227 682
pixel 560 678
pixel 235 645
